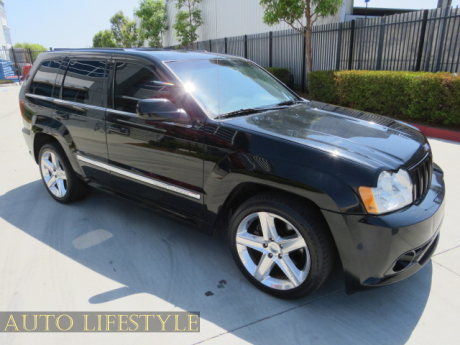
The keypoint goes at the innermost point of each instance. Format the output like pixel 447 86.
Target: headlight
pixel 393 191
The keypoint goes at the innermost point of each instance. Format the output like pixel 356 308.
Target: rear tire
pixel 59 178
pixel 282 246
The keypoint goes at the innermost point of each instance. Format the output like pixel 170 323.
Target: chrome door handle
pixel 118 130
pixel 60 115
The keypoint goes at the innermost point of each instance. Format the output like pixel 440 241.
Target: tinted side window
pixel 44 79
pixel 84 81
pixel 134 82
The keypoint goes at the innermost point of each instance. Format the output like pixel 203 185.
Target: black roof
pixel 160 54
pixel 374 11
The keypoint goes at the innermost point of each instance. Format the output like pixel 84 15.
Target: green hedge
pixel 421 96
pixel 282 73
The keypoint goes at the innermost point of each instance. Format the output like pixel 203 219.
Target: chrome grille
pixel 421 177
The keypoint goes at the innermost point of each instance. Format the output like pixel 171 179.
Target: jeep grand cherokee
pixel 219 142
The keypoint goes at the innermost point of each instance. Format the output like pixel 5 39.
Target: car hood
pixel 366 138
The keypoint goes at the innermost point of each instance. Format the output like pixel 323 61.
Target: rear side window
pixel 84 82
pixel 45 78
pixel 134 82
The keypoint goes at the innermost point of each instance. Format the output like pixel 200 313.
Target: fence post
pixel 421 43
pixel 443 31
pixel 31 57
pixel 352 41
pixel 381 39
pixel 270 49
pixel 16 67
pixel 339 47
pixel 226 50
pixel 304 62
pixel 210 45
pixel 245 46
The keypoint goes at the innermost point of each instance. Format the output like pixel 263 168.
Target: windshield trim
pixel 166 64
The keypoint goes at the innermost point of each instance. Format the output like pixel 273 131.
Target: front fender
pixel 327 190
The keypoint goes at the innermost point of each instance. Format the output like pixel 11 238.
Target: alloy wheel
pixel 53 174
pixel 273 251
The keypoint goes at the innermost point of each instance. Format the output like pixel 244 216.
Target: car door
pixel 158 161
pixel 81 107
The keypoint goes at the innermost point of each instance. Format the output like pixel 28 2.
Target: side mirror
pixel 163 110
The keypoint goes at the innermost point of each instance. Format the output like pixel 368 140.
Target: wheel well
pixel 41 139
pixel 246 191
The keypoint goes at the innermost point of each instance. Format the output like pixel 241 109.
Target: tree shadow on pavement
pixel 150 253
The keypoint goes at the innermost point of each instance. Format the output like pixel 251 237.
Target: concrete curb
pixel 438 133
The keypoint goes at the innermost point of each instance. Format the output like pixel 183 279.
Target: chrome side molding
pixel 140 178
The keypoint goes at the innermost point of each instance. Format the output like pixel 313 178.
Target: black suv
pixel 219 142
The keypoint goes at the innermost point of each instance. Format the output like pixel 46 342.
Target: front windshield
pixel 225 85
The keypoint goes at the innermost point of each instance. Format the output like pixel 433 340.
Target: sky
pixel 73 23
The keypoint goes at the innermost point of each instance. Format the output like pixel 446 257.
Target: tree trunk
pixel 308 55
pixel 190 21
pixel 308 28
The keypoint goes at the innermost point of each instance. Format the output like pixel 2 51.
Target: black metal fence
pixel 425 40
pixel 12 61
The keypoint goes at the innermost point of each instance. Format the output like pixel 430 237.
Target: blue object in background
pixel 7 71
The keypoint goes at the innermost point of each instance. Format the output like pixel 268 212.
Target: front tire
pixel 59 178
pixel 282 246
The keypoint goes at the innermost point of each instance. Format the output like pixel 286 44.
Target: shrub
pixel 283 74
pixel 323 86
pixel 424 96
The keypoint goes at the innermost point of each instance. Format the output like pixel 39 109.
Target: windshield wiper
pixel 290 102
pixel 240 112
pixel 248 111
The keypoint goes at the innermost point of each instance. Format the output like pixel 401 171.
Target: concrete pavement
pixel 106 254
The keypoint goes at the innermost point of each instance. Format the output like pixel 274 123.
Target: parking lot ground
pixel 105 254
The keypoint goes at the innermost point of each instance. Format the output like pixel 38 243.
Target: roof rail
pixel 102 48
pixel 109 48
pixel 126 49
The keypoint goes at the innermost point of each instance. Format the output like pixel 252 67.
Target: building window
pixel 2 11
pixel 6 32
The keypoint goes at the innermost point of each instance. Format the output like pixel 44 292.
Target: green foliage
pixel 31 46
pixel 450 104
pixel 152 14
pixel 421 96
pixel 323 86
pixel 35 48
pixel 130 35
pixel 124 31
pixel 282 73
pixel 293 12
pixel 118 21
pixel 324 8
pixel 187 22
pixel 288 11
pixel 104 39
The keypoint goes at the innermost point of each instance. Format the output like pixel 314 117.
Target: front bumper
pixel 380 250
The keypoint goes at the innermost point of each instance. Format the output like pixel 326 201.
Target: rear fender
pixel 43 125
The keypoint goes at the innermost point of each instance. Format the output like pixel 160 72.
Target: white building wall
pixel 5 41
pixel 228 18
